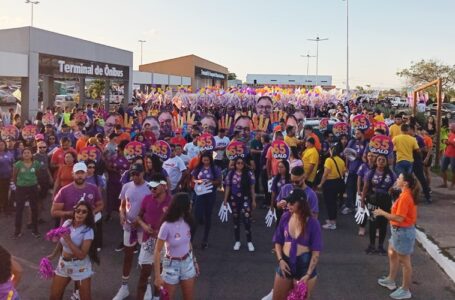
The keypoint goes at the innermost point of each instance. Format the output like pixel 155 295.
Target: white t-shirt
pixel 174 167
pixel 78 235
pixel 221 142
pixel 185 158
pixel 133 195
pixel 191 150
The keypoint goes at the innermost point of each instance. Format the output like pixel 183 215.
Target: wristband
pixel 280 260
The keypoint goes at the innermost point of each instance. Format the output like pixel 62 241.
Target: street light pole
pixel 142 43
pixel 317 40
pixel 347 47
pixel 31 4
pixel 308 56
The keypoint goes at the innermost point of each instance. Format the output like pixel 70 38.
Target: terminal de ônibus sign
pixel 89 69
pixel 71 67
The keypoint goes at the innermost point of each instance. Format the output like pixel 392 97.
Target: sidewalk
pixel 436 224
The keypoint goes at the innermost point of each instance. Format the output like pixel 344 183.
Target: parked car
pixel 447 109
pixel 64 101
pixel 399 102
pixel 7 99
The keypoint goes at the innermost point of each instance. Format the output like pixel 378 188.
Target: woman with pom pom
pixel 77 254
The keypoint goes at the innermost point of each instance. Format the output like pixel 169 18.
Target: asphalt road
pixel 345 272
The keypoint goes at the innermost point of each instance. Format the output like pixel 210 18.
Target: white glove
pixel 271 214
pixel 360 215
pixel 224 211
pixel 12 186
pixel 269 185
pixel 358 202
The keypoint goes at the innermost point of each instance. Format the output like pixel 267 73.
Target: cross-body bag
pixel 340 180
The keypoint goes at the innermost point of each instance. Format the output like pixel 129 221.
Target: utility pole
pixel 142 43
pixel 347 47
pixel 317 40
pixel 31 4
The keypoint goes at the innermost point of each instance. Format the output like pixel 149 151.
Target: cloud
pixel 11 22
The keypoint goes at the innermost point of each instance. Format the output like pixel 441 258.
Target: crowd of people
pixel 160 163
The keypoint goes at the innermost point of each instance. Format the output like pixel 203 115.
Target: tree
pixel 232 76
pixel 426 71
pixel 96 88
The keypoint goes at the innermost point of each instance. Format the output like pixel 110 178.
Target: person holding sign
pixel 206 174
pixel 240 194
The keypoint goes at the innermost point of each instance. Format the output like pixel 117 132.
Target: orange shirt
pixel 428 142
pixel 81 143
pixel 317 143
pixel 124 136
pixel 274 162
pixel 405 207
pixel 65 175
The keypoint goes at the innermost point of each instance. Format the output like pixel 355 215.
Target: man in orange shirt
pixel 309 133
pixel 272 163
pixel 427 154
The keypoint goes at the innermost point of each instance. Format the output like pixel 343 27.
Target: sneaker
pixel 75 295
pixel 346 211
pixel 122 293
pixel 136 249
pixel 381 251
pixel 370 250
pixel 148 293
pixel 120 247
pixel 36 234
pixel 98 249
pixel 329 226
pixel 237 246
pixel 388 283
pixel 17 235
pixel 401 293
pixel 250 247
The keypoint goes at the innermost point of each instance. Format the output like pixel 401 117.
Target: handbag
pixel 340 180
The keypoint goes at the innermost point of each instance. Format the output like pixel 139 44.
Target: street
pixel 345 271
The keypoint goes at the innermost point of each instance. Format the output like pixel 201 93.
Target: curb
pixel 433 250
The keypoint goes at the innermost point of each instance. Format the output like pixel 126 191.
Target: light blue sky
pixel 253 36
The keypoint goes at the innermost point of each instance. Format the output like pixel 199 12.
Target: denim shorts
pixel 403 239
pixel 300 269
pixel 76 270
pixel 446 161
pixel 175 271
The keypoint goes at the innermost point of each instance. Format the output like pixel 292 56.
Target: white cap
pixel 80 166
pixel 154 184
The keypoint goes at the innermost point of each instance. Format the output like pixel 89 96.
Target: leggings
pixel 241 206
pixel 265 187
pixel 384 202
pixel 24 194
pixel 203 207
pixel 332 193
pixel 4 188
pixel 113 191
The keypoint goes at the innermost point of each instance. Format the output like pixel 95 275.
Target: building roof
pixel 189 56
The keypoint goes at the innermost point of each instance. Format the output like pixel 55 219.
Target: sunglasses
pixel 81 211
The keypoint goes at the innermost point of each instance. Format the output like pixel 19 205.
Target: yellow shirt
pixel 330 165
pixel 394 130
pixel 379 118
pixel 310 157
pixel 404 145
pixel 291 141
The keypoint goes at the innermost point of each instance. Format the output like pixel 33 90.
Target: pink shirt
pixel 153 212
pixel 177 237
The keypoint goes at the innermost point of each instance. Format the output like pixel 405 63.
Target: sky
pixel 260 37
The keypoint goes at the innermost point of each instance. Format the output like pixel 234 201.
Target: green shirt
pixel 27 176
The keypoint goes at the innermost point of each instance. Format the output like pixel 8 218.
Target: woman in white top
pixel 77 254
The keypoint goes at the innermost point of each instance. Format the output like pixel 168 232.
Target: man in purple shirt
pixel 79 190
pixel 298 181
pixel 358 144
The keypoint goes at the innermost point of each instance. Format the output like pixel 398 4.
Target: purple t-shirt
pixel 206 173
pixel 359 148
pixel 70 195
pixel 377 183
pixel 133 195
pixel 120 164
pixel 153 212
pixel 364 168
pixel 6 165
pixel 312 237
pixel 177 237
pixel 277 184
pixel 236 182
pixel 311 196
pixel 7 290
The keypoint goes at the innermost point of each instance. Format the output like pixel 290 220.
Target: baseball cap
pixel 296 195
pixel 80 166
pixel 154 184
pixel 136 168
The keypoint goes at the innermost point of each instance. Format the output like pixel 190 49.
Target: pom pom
pixel 46 271
pixel 55 234
pixel 299 292
pixel 164 294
